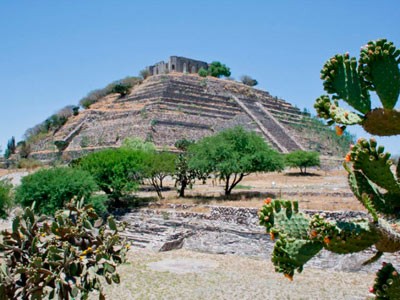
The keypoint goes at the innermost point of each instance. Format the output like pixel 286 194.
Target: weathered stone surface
pixel 169 107
pixel 228 230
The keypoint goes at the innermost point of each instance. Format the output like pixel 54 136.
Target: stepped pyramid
pixel 168 107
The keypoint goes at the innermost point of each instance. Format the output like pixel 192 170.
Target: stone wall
pixel 177 64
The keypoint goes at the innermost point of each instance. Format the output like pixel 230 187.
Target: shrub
pixel 52 188
pixel 122 89
pixel 5 197
pixel 203 72
pixel 138 144
pixel 29 163
pixel 302 159
pixel 145 73
pixel 62 259
pixel 116 171
pixel 11 147
pixel 216 69
pixel 247 80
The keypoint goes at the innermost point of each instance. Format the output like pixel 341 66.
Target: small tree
pixel 247 80
pixel 233 154
pixel 302 159
pixel 122 89
pixel 11 147
pixel 157 166
pixel 203 72
pixel 216 69
pixel 184 176
pixel 52 188
pixel 116 171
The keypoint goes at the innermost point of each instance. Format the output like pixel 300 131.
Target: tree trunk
pixel 182 189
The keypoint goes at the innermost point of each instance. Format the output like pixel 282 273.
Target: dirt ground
pixel 320 190
pixel 182 274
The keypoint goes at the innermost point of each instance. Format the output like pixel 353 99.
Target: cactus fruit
pixel 378 70
pixel 372 177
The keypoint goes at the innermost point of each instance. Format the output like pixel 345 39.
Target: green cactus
pixel 373 179
pixel 377 71
pixel 387 283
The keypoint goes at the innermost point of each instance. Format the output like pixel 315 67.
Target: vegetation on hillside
pixel 215 69
pixel 122 87
pixel 247 80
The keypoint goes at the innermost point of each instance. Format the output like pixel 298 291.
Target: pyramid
pixel 169 107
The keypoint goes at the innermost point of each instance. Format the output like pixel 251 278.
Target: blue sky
pixel 54 52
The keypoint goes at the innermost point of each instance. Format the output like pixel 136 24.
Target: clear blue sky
pixel 54 52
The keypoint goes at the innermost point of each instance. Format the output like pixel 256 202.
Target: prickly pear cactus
pixel 372 177
pixel 377 70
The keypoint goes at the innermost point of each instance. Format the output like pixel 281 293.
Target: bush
pixel 52 188
pixel 247 80
pixel 5 197
pixel 116 171
pixel 62 259
pixel 302 159
pixel 216 69
pixel 145 73
pixel 203 72
pixel 29 163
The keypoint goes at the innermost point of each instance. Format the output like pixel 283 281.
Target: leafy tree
pixel 203 72
pixel 11 147
pixel 216 69
pixel 52 188
pixel 233 154
pixel 184 176
pixel 302 159
pixel 24 149
pixel 157 166
pixel 122 89
pixel 247 80
pixel 116 171
pixel 5 197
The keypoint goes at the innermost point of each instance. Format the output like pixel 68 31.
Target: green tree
pixel 5 197
pixel 233 154
pixel 216 69
pixel 184 176
pixel 157 166
pixel 203 72
pixel 247 80
pixel 52 188
pixel 11 147
pixel 122 89
pixel 116 171
pixel 302 159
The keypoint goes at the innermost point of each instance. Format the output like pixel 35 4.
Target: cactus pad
pixel 282 217
pixel 387 283
pixel 291 254
pixel 343 81
pixel 382 122
pixel 379 67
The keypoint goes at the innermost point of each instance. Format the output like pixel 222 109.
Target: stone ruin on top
pixel 177 64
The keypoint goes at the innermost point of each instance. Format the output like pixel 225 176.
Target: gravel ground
pixel 183 274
